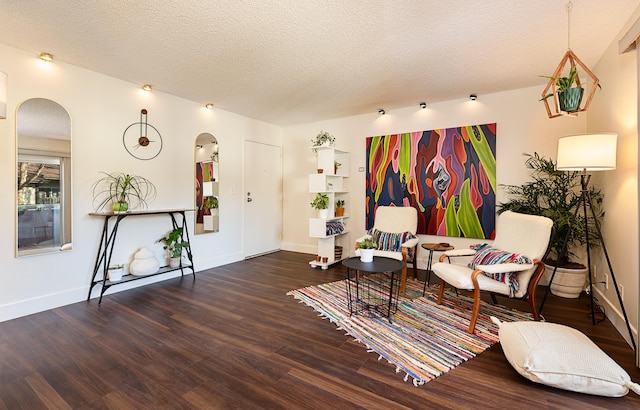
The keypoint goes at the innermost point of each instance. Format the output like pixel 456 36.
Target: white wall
pixel 615 110
pixel 101 108
pixel 522 127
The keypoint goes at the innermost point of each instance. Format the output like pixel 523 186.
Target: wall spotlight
pixel 473 97
pixel 209 106
pixel 423 105
pixel 381 111
pixel 147 87
pixel 46 57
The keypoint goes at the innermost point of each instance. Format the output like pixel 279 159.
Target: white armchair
pixel 397 220
pixel 516 233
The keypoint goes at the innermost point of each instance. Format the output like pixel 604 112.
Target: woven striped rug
pixel 424 340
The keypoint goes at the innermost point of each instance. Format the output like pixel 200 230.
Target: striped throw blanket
pixel 487 255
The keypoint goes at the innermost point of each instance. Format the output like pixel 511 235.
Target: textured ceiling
pixel 288 62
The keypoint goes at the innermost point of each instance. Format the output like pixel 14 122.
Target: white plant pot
pixel 366 255
pixel 324 213
pixel 568 283
pixel 115 274
pixel 174 262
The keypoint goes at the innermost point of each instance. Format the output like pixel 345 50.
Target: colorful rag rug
pixel 424 340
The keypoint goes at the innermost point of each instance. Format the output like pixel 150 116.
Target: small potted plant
pixel 323 139
pixel 122 191
pixel 336 165
pixel 211 205
pixel 569 93
pixel 321 203
pixel 340 207
pixel 366 247
pixel 115 272
pixel 174 245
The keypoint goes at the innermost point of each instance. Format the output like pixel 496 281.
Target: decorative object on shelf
pixel 367 246
pixel 210 205
pixel 336 165
pixel 321 203
pixel 556 194
pixel 124 192
pixel 115 272
pixel 340 207
pixel 337 254
pixel 323 139
pixel 567 91
pixel 141 139
pixel 174 245
pixel 320 170
pixel 144 263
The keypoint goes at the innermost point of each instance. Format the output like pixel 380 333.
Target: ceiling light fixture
pixel 147 87
pixel 473 97
pixel 423 105
pixel 46 57
pixel 209 106
pixel 381 111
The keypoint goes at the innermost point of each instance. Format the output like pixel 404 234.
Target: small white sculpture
pixel 144 263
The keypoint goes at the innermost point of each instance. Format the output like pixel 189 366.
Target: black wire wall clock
pixel 141 139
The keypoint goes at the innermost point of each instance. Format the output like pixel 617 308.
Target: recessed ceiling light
pixel 381 111
pixel 473 97
pixel 209 106
pixel 423 105
pixel 147 87
pixel 46 57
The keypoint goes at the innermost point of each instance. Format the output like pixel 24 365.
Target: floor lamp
pixel 587 153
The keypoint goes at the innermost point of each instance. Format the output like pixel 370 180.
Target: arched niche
pixel 207 186
pixel 43 178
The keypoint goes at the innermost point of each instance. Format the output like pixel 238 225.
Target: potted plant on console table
pixel 556 194
pixel 123 192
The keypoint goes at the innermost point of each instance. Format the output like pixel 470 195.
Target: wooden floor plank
pixel 233 339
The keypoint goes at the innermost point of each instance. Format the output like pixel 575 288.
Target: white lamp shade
pixel 591 152
pixel 3 95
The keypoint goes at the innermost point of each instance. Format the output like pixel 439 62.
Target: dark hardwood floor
pixel 233 339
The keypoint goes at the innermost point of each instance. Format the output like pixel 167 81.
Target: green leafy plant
pixel 321 201
pixel 367 243
pixel 173 243
pixel 118 188
pixel 322 138
pixel 340 203
pixel 562 83
pixel 555 194
pixel 211 202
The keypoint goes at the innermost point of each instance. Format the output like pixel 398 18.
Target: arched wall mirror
pixel 43 171
pixel 207 184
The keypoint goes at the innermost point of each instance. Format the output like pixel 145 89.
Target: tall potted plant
pixel 556 194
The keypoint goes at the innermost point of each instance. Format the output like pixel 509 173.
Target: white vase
pixel 144 263
pixel 324 213
pixel 366 255
pixel 174 262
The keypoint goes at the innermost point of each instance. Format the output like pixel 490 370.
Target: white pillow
pixel 562 357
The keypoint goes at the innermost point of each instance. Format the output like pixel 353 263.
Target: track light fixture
pixel 46 57
pixel 147 87
pixel 423 105
pixel 473 97
pixel 209 106
pixel 381 111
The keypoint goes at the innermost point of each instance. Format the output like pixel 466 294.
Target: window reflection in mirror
pixel 43 171
pixel 207 184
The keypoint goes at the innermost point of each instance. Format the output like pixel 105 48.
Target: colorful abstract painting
pixel 448 175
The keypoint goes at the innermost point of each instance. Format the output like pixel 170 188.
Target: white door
pixel 262 198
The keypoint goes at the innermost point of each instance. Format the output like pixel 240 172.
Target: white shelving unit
pixel 332 231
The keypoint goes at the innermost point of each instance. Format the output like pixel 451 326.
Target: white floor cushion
pixel 562 357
